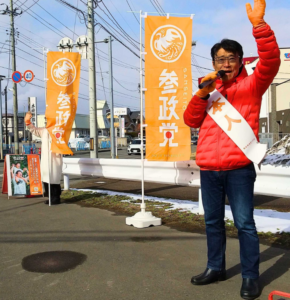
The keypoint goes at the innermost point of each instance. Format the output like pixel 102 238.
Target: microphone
pixel 220 74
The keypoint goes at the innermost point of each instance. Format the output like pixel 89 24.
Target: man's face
pixel 227 61
pixel 19 175
pixel 18 166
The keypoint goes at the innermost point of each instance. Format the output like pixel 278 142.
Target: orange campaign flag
pixel 168 82
pixel 63 73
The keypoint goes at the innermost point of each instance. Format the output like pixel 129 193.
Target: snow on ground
pixel 267 220
pixel 279 153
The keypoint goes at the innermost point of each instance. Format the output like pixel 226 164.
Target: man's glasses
pixel 232 60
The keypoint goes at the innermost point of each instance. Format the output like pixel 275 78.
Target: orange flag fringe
pixel 63 73
pixel 169 87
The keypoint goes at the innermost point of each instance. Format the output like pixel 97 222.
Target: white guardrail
pixel 271 180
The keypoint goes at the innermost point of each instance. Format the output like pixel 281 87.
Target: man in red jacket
pixel 225 169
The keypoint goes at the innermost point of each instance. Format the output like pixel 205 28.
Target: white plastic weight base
pixel 143 219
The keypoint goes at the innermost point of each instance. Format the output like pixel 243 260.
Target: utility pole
pixel 1 127
pixel 15 104
pixel 92 80
pixel 24 125
pixel 13 12
pixel 6 117
pixel 113 147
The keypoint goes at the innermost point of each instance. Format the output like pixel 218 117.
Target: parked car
pixel 194 140
pixel 135 147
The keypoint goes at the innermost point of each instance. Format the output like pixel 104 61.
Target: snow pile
pixel 267 220
pixel 279 153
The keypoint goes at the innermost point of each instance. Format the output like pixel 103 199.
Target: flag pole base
pixel 143 220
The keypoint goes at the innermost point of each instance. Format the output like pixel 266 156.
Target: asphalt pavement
pixel 122 262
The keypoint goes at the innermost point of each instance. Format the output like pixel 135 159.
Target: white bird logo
pixel 168 43
pixel 63 72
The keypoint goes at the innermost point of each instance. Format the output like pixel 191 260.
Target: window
pixel 136 142
pixel 287 123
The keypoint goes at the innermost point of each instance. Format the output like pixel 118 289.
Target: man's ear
pixel 213 65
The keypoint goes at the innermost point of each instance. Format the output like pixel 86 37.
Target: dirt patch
pixel 174 218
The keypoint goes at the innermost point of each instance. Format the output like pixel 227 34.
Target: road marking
pixel 20 272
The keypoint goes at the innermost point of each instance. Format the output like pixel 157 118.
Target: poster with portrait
pixel 23 175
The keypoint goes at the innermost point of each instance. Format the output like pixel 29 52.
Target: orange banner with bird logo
pixel 63 74
pixel 168 82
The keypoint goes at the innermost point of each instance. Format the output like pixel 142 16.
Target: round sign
pixel 16 77
pixel 28 76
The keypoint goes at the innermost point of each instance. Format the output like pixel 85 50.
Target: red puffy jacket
pixel 215 150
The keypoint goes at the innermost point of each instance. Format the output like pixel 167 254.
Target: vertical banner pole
pixel 49 192
pixel 142 219
pixel 49 152
pixel 143 205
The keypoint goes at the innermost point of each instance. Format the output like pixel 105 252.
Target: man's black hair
pixel 18 172
pixel 228 45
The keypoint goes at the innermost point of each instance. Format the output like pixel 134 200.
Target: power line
pixel 118 40
pixel 116 30
pixel 160 7
pixel 123 86
pixel 123 18
pixel 155 7
pixel 134 14
pixel 116 23
pixel 43 23
pixel 55 18
pixel 201 56
pixel 101 73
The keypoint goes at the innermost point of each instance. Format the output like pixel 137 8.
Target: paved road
pixel 122 262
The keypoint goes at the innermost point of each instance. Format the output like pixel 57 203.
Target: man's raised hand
pixel 27 118
pixel 256 15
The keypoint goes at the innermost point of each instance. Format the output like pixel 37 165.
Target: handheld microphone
pixel 220 74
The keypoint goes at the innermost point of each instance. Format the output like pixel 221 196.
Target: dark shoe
pixel 52 202
pixel 209 276
pixel 250 289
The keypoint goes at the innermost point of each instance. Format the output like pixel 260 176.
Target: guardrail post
pixel 200 205
pixel 65 182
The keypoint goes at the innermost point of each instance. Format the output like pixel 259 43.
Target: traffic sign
pixel 16 77
pixel 28 76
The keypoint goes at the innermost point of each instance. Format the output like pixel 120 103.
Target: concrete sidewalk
pixel 122 262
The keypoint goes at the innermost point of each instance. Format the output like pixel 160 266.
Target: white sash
pixel 235 126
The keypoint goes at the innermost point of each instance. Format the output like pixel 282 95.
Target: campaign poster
pixel 23 174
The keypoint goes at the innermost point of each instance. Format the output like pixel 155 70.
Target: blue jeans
pixel 238 185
